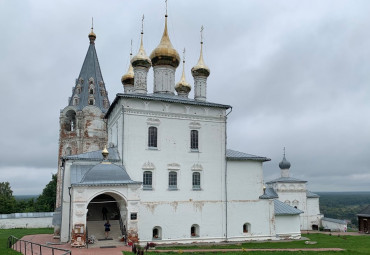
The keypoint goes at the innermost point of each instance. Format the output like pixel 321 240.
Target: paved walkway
pixel 246 250
pixel 47 239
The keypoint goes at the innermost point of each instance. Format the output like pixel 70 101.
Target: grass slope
pixel 18 232
pixel 354 245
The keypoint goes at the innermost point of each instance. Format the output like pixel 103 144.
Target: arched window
pixel 68 151
pixel 152 137
pixel 70 122
pixel 196 180
pixel 194 230
pixel 172 180
pixel 194 139
pixel 157 233
pixel 91 91
pixel 147 179
pixel 91 101
pixel 246 228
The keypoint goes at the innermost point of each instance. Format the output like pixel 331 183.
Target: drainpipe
pixel 123 133
pixel 226 202
pixel 69 218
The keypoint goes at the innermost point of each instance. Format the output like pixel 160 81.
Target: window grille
pixel 194 139
pixel 152 137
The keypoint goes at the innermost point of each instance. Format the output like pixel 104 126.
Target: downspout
pixel 69 218
pixel 123 133
pixel 226 201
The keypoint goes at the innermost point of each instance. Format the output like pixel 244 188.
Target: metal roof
pixel 269 194
pixel 284 209
pixel 310 194
pixel 237 155
pixel 365 212
pixel 171 98
pixel 334 220
pixel 90 69
pixel 96 155
pixel 286 179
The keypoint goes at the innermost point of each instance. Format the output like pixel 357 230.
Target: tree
pixel 46 201
pixel 7 200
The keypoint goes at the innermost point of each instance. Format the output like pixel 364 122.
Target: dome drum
pixel 200 71
pixel 140 62
pixel 168 59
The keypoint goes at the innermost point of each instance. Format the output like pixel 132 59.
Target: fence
pixel 30 248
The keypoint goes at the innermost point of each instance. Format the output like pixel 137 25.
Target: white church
pixel 166 175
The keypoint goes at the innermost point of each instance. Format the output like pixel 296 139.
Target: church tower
pixel 82 125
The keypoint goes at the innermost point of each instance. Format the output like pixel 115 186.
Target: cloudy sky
pixel 297 74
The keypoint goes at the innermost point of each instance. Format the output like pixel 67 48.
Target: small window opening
pixel 194 139
pixel 157 233
pixel 194 230
pixel 133 216
pixel 91 102
pixel 246 228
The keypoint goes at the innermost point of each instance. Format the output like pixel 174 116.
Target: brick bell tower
pixel 82 125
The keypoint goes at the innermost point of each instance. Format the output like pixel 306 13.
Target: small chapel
pixel 157 163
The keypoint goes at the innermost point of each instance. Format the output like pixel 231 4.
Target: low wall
pixel 26 220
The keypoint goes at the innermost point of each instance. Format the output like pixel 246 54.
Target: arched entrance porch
pixel 106 206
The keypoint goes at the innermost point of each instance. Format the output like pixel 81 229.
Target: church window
pixel 196 180
pixel 172 180
pixel 147 180
pixel 194 230
pixel 194 139
pixel 69 151
pixel 157 233
pixel 133 216
pixel 246 228
pixel 91 101
pixel 152 137
pixel 91 91
pixel 70 122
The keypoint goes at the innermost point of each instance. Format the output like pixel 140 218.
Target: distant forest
pixel 343 205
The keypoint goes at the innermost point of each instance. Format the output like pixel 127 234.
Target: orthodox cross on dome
pixel 183 55
pixel 166 7
pixel 131 49
pixel 201 34
pixel 142 25
pixel 284 152
pixel 92 23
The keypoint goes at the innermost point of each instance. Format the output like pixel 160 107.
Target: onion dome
pixel 165 54
pixel 92 36
pixel 128 78
pixel 183 87
pixel 284 164
pixel 141 59
pixel 200 69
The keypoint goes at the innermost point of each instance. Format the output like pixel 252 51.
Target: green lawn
pixel 18 232
pixel 352 244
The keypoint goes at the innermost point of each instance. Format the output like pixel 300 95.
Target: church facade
pixel 167 175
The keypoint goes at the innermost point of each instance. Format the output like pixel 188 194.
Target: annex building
pixel 166 175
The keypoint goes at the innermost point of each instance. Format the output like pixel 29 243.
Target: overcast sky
pixel 297 74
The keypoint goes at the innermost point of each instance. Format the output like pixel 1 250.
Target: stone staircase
pixel 96 228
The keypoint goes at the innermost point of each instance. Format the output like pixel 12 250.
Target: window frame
pixel 145 178
pixel 194 175
pixel 171 180
pixel 194 140
pixel 152 137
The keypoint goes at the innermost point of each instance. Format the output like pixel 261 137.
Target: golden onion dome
pixel 183 87
pixel 128 78
pixel 165 53
pixel 200 69
pixel 92 36
pixel 141 59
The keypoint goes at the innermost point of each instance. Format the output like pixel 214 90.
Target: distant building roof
pixel 96 155
pixel 334 220
pixel 269 194
pixel 310 194
pixel 237 155
pixel 165 98
pixel 284 209
pixel 365 212
pixel 287 180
